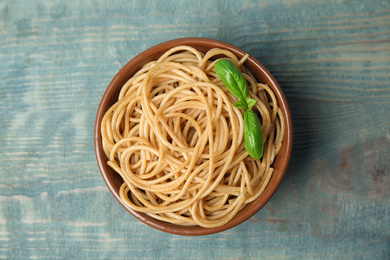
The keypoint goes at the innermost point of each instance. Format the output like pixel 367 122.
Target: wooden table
pixel 332 59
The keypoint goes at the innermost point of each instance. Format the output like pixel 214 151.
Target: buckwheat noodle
pixel 177 142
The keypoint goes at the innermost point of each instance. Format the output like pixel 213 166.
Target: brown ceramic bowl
pixel 114 181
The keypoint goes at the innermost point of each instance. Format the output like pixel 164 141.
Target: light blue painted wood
pixel 332 59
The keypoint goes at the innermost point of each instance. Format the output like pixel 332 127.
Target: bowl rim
pixel 243 214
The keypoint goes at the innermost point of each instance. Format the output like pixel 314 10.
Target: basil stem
pixel 235 82
pixel 241 104
pixel 250 102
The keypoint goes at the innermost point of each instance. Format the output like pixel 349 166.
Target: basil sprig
pixel 235 82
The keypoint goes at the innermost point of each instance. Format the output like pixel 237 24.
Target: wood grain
pixel 332 59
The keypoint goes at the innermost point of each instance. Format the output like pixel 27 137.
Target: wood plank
pixel 331 58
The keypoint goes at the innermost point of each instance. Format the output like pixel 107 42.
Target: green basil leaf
pixel 250 102
pixel 253 135
pixel 232 78
pixel 241 104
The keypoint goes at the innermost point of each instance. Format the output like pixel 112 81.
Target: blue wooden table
pixel 332 59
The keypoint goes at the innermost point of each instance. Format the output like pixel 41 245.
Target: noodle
pixel 177 142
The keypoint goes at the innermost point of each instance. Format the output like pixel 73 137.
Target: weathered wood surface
pixel 332 59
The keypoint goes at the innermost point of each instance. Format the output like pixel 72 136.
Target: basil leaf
pixel 253 135
pixel 250 102
pixel 241 104
pixel 232 78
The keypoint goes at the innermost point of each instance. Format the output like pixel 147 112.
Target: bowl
pixel 110 96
